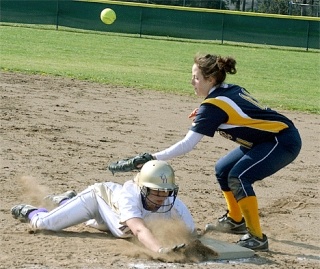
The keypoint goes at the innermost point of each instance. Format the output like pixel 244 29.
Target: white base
pixel 227 251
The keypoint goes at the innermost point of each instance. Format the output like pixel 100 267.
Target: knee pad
pixel 237 188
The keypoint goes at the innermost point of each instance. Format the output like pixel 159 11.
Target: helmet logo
pixel 164 178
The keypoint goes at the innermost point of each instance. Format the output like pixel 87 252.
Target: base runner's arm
pixel 144 235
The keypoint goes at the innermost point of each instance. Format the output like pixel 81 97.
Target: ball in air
pixel 108 16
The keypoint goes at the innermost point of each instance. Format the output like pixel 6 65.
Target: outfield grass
pixel 280 78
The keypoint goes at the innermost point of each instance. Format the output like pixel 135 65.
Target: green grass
pixel 281 78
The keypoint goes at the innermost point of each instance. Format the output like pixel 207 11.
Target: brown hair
pixel 215 66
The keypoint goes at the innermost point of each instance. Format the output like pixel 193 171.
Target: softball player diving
pixel 119 209
pixel 268 142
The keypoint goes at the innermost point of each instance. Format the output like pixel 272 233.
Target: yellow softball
pixel 108 16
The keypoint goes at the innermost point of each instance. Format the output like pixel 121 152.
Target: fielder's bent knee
pixel 237 188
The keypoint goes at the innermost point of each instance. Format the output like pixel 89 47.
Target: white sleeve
pixel 182 212
pixel 129 202
pixel 182 147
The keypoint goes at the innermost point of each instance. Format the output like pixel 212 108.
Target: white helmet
pixel 157 175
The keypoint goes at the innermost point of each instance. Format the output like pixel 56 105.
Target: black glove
pixel 130 164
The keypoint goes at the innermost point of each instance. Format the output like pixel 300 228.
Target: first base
pixel 227 251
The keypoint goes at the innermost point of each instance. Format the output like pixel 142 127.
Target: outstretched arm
pixel 144 235
pixel 180 148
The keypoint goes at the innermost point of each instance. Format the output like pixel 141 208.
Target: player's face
pixel 201 85
pixel 156 198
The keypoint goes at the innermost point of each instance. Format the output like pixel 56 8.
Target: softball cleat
pixel 253 242
pixel 226 224
pixel 22 212
pixel 57 199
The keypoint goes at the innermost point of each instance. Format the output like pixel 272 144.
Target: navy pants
pixel 241 167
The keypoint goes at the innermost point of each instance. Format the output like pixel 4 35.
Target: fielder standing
pixel 119 209
pixel 268 142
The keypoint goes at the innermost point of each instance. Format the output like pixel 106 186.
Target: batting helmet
pixel 157 175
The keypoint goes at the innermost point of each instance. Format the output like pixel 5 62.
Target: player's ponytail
pixel 215 66
pixel 227 64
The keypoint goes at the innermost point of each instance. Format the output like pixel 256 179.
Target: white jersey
pixel 107 206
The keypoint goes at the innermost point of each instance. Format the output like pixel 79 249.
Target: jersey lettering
pixel 225 135
pixel 125 229
pixel 244 143
pixel 246 96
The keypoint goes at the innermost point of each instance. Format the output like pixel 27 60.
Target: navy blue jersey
pixel 237 116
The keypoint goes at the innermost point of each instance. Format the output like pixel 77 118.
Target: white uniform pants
pixel 86 206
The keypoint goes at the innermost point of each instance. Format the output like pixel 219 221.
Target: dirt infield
pixel 59 134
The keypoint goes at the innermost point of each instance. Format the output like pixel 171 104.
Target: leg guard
pixel 239 188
